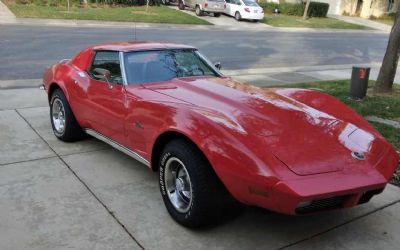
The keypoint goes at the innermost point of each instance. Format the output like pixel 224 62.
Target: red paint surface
pixel 290 145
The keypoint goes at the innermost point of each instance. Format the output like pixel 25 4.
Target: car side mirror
pixel 218 65
pixel 103 74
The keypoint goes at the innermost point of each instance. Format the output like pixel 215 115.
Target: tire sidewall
pixel 198 11
pixel 184 218
pixel 237 16
pixel 56 95
pixel 181 6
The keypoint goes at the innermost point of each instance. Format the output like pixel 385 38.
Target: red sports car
pixel 210 138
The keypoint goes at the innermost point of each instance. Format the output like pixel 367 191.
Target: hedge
pixel 318 9
pixel 297 9
pixel 291 9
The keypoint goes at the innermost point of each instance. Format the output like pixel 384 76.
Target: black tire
pixel 198 11
pixel 181 6
pixel 255 21
pixel 238 17
pixel 217 14
pixel 208 195
pixel 72 131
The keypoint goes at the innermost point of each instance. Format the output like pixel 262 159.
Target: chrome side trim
pixel 118 146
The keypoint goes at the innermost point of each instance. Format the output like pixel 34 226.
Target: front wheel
pixel 238 17
pixel 198 11
pixel 217 14
pixel 63 122
pixel 192 193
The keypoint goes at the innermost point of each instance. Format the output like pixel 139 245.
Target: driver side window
pixel 108 60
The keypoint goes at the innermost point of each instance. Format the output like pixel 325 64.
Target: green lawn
pixel 384 106
pixel 314 22
pixel 155 14
pixel 385 21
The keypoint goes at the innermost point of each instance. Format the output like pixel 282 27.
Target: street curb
pixel 107 24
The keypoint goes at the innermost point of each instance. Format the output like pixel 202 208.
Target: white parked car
pixel 244 9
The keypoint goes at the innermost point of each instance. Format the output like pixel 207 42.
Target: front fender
pixel 247 176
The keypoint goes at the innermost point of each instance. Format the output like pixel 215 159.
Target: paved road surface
pixel 26 50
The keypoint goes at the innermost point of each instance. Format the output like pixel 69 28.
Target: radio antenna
pixel 134 28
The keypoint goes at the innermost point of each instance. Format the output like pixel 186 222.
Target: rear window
pixel 250 3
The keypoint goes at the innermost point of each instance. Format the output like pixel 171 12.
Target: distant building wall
pixel 367 8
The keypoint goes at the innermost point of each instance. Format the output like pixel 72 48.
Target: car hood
pixel 307 140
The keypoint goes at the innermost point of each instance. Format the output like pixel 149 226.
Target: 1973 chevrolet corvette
pixel 211 138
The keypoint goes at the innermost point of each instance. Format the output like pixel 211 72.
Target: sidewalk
pixel 6 16
pixel 364 22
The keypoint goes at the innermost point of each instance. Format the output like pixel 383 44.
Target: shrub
pixel 297 9
pixel 318 9
pixel 290 9
pixel 24 1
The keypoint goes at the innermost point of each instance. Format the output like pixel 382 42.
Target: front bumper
pixel 314 193
pixel 305 196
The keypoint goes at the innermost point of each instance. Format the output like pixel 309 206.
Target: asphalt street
pixel 26 50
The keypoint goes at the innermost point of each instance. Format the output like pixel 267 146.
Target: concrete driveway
pixel 226 21
pixel 86 195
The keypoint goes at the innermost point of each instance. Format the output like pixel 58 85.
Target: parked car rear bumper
pixel 211 10
pixel 252 16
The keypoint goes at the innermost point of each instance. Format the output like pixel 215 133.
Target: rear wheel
pixel 217 14
pixel 63 122
pixel 181 6
pixel 238 17
pixel 192 193
pixel 198 11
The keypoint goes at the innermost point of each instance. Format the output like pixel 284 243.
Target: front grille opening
pixel 320 205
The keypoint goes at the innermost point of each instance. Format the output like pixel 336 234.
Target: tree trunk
pixel 387 73
pixel 305 15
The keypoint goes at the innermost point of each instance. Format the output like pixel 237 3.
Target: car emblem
pixel 358 155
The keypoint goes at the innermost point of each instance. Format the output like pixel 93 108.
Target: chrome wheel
pixel 58 115
pixel 178 185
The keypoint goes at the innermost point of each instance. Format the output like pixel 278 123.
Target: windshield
pixel 250 3
pixel 164 65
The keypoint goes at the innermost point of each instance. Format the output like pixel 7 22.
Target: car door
pixel 228 7
pixel 105 101
pixel 234 6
